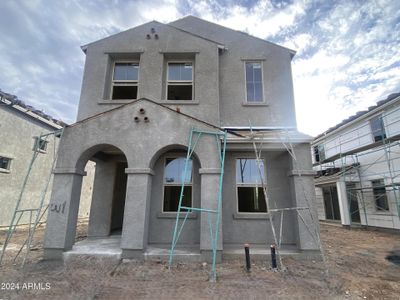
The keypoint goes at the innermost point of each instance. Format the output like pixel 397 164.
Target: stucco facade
pixel 134 140
pixel 20 126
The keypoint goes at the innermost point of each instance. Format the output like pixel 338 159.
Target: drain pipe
pixel 273 257
pixel 247 254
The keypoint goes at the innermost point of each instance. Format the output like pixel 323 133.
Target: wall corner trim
pixel 301 173
pixel 139 171
pixel 210 171
pixel 72 171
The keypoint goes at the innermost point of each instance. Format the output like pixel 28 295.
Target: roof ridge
pixel 237 31
pixel 359 114
pixel 148 100
pixel 13 101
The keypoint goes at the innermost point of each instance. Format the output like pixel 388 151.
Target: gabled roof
pixel 13 102
pixel 84 47
pixel 194 20
pixel 391 98
pixel 178 112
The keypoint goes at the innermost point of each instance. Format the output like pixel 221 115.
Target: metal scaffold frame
pixel 384 153
pixel 194 137
pixel 35 214
pixel 313 229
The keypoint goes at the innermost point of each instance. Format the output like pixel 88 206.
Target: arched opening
pixel 168 166
pixel 103 191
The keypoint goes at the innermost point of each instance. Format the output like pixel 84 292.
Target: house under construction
pixel 358 168
pixel 144 90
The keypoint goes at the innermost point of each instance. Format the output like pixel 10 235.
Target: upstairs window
pixel 379 191
pixel 180 81
pixel 254 82
pixel 319 153
pixel 250 191
pixel 377 128
pixel 5 163
pixel 40 145
pixel 173 177
pixel 125 81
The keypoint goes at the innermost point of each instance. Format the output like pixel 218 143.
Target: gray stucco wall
pixel 161 225
pixel 240 228
pixel 278 109
pixel 219 77
pixel 18 132
pixel 132 44
pixel 165 131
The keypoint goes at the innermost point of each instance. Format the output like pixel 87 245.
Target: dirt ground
pixel 361 265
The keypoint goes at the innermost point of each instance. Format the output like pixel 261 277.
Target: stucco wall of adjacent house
pixel 18 132
pixel 374 164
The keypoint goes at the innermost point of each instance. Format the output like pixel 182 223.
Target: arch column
pixel 63 212
pixel 102 199
pixel 303 195
pixel 136 213
pixel 209 200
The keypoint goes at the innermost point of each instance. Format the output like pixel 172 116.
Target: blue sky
pixel 348 52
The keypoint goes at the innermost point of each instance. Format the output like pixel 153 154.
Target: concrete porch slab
pixel 109 247
pixel 97 247
pixel 182 253
pixel 257 251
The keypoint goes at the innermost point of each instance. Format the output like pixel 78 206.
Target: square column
pixel 303 195
pixel 209 200
pixel 102 199
pixel 343 203
pixel 136 213
pixel 63 212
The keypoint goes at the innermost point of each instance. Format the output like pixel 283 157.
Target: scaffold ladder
pixel 194 138
pixel 35 214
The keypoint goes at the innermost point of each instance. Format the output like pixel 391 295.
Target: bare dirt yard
pixel 361 265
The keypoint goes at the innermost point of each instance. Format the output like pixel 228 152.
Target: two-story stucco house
pixel 357 164
pixel 143 90
pixel 20 127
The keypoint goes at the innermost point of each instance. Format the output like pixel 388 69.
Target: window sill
pixel 5 171
pixel 383 212
pixel 255 104
pixel 115 101
pixel 41 151
pixel 250 216
pixel 180 102
pixel 172 215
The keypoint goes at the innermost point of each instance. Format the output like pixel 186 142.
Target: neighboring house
pixel 358 168
pixel 20 126
pixel 143 90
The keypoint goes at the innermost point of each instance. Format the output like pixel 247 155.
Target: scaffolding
pixel 367 159
pixel 194 138
pixel 302 212
pixel 35 214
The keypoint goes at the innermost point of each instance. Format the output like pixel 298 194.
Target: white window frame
pixel 261 62
pixel 124 82
pixel 179 82
pixel 174 184
pixel 380 117
pixel 8 169
pixel 36 145
pixel 237 185
pixel 382 210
